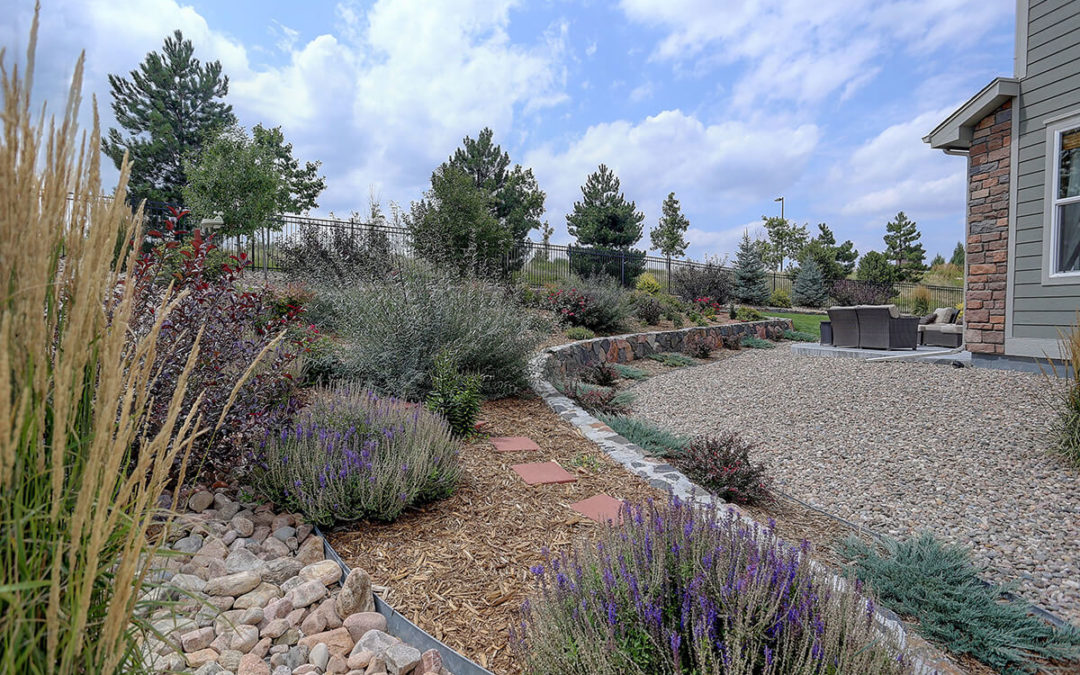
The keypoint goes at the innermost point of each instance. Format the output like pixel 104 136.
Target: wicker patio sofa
pixel 873 327
pixel 941 328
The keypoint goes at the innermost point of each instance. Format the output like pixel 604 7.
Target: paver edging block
pixel 553 361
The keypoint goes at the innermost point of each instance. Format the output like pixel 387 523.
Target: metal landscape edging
pixel 925 659
pixel 404 629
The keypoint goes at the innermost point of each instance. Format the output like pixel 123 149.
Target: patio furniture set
pixel 883 327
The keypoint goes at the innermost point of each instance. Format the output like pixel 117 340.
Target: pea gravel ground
pixel 899 448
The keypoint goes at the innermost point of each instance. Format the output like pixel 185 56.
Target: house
pixel 1021 137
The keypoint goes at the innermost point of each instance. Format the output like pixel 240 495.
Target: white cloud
pixel 714 169
pixel 807 50
pixel 642 92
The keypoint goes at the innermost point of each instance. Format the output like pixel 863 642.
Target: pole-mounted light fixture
pixel 781 200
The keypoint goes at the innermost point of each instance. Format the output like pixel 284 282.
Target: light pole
pixel 781 200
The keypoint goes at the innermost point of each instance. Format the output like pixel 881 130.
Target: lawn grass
pixel 807 323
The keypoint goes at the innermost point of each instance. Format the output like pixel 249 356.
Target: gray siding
pixel 1050 88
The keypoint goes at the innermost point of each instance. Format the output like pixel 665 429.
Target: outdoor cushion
pixel 955 328
pixel 894 311
pixel 925 320
pixel 943 314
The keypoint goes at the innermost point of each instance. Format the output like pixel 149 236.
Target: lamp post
pixel 781 200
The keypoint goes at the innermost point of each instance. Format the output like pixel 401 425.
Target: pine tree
pixel 875 266
pixel 835 262
pixel 938 260
pixel 903 248
pixel 809 287
pixel 668 236
pixel 169 109
pixel 958 255
pixel 750 286
pixel 603 217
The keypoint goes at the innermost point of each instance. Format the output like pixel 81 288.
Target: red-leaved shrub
pixel 721 464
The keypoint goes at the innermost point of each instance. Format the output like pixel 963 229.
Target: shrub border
pixel 924 657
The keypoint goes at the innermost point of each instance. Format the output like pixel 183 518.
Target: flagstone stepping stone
pixel 600 508
pixel 514 444
pixel 542 473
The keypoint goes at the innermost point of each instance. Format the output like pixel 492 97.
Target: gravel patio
pixel 901 447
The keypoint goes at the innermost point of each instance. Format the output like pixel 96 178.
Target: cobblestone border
pixel 924 657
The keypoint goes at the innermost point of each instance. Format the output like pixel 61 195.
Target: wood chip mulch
pixel 459 568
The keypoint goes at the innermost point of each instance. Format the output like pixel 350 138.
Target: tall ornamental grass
pixel 352 454
pixel 80 477
pixel 679 589
pixel 1065 429
pixel 390 332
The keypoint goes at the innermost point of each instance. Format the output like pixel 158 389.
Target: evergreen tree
pixel 750 286
pixel 668 236
pixel 453 225
pixel 875 266
pixel 515 199
pixel 546 231
pixel 809 287
pixel 938 260
pixel 903 248
pixel 786 241
pixel 603 217
pixel 168 108
pixel 958 255
pixel 835 262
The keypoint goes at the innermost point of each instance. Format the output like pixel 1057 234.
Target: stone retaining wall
pixel 566 359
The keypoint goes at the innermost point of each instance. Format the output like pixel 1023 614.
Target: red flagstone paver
pixel 540 473
pixel 600 508
pixel 514 444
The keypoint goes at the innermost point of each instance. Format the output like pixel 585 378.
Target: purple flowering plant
pixel 352 454
pixel 682 589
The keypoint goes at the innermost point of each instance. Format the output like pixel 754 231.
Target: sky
pixel 728 104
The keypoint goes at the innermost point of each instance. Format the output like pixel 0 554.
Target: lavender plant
pixel 680 589
pixel 353 455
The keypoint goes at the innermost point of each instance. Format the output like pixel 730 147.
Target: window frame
pixel 1055 130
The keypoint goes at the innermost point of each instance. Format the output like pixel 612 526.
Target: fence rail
pixel 532 263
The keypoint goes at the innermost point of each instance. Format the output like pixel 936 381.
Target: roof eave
pixel 955 133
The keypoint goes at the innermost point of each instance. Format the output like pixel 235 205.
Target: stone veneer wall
pixel 988 232
pixel 623 348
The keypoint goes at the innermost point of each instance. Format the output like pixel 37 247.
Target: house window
pixel 1065 241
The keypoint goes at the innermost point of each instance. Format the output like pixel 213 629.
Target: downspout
pixel 967 225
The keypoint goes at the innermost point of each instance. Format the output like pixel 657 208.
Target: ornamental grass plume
pixel 80 476
pixel 677 588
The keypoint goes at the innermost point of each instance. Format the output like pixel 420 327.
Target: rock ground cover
pixel 899 448
pixel 256 596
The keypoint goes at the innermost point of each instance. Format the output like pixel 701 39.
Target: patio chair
pixel 845 326
pixel 882 327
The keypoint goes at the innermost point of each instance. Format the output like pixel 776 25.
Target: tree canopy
pixel 247 180
pixel 603 217
pixel 834 262
pixel 750 285
pixel 903 248
pixel 958 255
pixel 168 108
pixel 668 236
pixel 876 266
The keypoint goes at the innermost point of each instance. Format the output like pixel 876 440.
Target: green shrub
pixel 711 280
pixel 650 438
pixel 672 360
pixel 630 372
pixel 748 314
pixel 648 309
pixel 648 284
pixel 352 454
pixel 800 336
pixel 677 321
pixel 732 312
pixel 598 399
pixel 754 342
pixel 213 262
pixel 454 395
pixel 390 332
pixel 597 303
pixel 579 333
pixel 937 584
pixel 721 464
pixel 780 298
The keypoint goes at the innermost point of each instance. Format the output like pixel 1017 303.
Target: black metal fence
pixel 531 263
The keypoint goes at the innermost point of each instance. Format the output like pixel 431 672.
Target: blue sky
pixel 728 104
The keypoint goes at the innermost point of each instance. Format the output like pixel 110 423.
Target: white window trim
pixel 1054 132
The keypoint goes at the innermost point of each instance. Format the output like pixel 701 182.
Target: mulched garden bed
pixel 459 568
